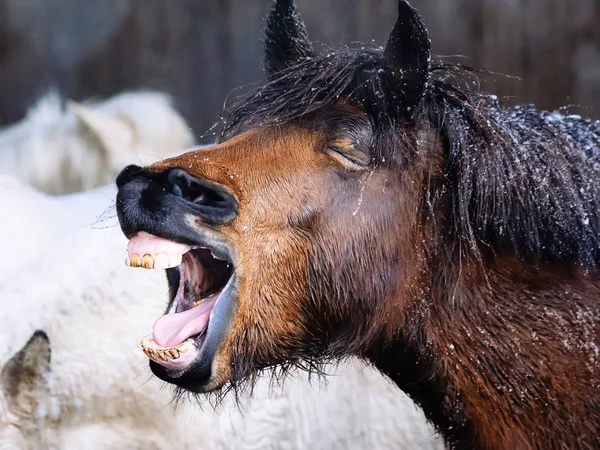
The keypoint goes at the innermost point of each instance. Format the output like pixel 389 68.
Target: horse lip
pixel 198 376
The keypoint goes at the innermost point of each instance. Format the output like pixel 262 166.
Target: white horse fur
pixel 82 146
pixel 88 386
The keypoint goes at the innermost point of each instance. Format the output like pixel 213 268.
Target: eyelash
pixel 344 158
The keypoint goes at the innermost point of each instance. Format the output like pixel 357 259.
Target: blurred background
pixel 545 51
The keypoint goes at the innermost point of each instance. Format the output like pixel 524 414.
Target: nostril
pixel 182 184
pixel 192 189
pixel 216 203
pixel 128 174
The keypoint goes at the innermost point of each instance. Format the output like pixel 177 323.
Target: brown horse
pixel 364 202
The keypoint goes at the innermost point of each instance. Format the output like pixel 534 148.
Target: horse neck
pixel 506 357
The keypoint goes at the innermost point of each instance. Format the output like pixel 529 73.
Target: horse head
pixel 288 230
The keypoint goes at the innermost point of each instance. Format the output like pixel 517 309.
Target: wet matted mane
pixel 364 202
pixel 491 152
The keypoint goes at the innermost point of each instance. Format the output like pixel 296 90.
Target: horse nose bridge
pixel 208 163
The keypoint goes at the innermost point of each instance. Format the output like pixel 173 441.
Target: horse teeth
pixel 147 262
pixel 135 261
pixel 161 261
pixel 182 347
pixel 196 303
pixel 162 354
pixel 175 260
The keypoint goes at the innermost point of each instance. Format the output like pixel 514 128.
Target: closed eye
pixel 348 160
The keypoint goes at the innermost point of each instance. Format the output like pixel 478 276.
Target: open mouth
pixel 200 283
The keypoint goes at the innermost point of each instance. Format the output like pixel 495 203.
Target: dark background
pixel 199 50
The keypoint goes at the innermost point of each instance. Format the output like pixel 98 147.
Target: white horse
pixel 60 150
pixel 81 382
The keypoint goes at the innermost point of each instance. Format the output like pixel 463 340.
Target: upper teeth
pixel 148 261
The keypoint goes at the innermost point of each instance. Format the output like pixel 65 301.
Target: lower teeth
pixel 163 354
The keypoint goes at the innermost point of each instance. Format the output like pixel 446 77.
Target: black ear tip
pixel 283 5
pixel 410 34
pixel 408 12
pixel 39 334
pixel 286 40
pixel 405 4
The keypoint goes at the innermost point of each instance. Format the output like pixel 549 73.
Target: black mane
pixel 522 181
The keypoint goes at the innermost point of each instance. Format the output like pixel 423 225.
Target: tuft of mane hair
pixel 521 179
pixel 62 150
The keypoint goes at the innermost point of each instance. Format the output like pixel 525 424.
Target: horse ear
pixel 408 51
pixel 286 40
pixel 23 378
pixel 114 134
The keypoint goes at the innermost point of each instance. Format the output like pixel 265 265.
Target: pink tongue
pixel 173 329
